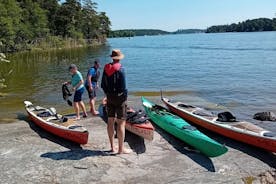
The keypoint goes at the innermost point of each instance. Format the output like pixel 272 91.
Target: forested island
pixel 254 25
pixel 150 32
pixel 136 32
pixel 41 24
pixel 189 31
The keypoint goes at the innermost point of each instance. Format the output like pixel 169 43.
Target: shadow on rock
pixel 262 155
pixel 135 142
pixel 180 146
pixel 22 117
pixel 77 154
pixel 53 138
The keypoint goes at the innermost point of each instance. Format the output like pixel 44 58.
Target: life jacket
pixel 113 81
pixel 94 78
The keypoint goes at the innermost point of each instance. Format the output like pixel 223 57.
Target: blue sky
pixel 171 15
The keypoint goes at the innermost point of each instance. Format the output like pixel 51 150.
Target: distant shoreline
pixel 150 32
pixel 194 33
pixel 253 25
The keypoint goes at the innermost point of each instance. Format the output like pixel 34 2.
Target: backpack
pixel 96 77
pixel 113 81
pixel 265 116
pixel 226 117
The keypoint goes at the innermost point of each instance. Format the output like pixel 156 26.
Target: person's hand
pixel 90 88
pixel 73 89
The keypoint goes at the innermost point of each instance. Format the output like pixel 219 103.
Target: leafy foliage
pixel 261 24
pixel 2 79
pixel 26 22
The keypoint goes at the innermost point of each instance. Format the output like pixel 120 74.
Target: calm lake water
pixel 234 71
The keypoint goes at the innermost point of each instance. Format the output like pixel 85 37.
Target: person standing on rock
pixel 78 88
pixel 91 85
pixel 114 87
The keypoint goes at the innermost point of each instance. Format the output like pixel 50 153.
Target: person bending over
pixel 78 88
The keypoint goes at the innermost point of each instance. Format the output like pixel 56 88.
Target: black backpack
pixel 265 116
pixel 226 117
pixel 96 77
pixel 114 84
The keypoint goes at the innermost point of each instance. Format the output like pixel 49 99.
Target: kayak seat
pixel 189 127
pixel 44 114
pixel 269 134
pixel 185 105
pixel 74 127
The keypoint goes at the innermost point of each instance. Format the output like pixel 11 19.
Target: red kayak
pixel 137 122
pixel 57 124
pixel 238 130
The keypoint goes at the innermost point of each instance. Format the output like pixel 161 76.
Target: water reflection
pixel 37 76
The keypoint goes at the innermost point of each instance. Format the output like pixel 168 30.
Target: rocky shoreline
pixel 30 155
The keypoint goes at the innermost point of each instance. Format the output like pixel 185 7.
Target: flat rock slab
pixel 30 155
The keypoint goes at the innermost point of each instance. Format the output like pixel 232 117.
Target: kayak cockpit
pixel 269 134
pixel 211 117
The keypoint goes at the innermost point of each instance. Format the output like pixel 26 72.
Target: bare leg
pixel 77 110
pixel 83 108
pixel 110 131
pixel 121 137
pixel 92 106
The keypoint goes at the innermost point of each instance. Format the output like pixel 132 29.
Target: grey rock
pixel 30 155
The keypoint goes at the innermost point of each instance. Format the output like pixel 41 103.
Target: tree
pixel 69 19
pixel 25 23
pixel 51 7
pixel 10 16
pixel 90 21
pixel 104 24
pixel 34 22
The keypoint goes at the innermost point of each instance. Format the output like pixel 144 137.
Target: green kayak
pixel 182 130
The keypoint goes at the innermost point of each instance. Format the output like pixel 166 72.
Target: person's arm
pixel 103 83
pixel 89 82
pixel 78 85
pixel 123 81
pixel 66 83
pixel 98 77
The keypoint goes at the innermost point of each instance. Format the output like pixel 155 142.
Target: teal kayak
pixel 182 130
